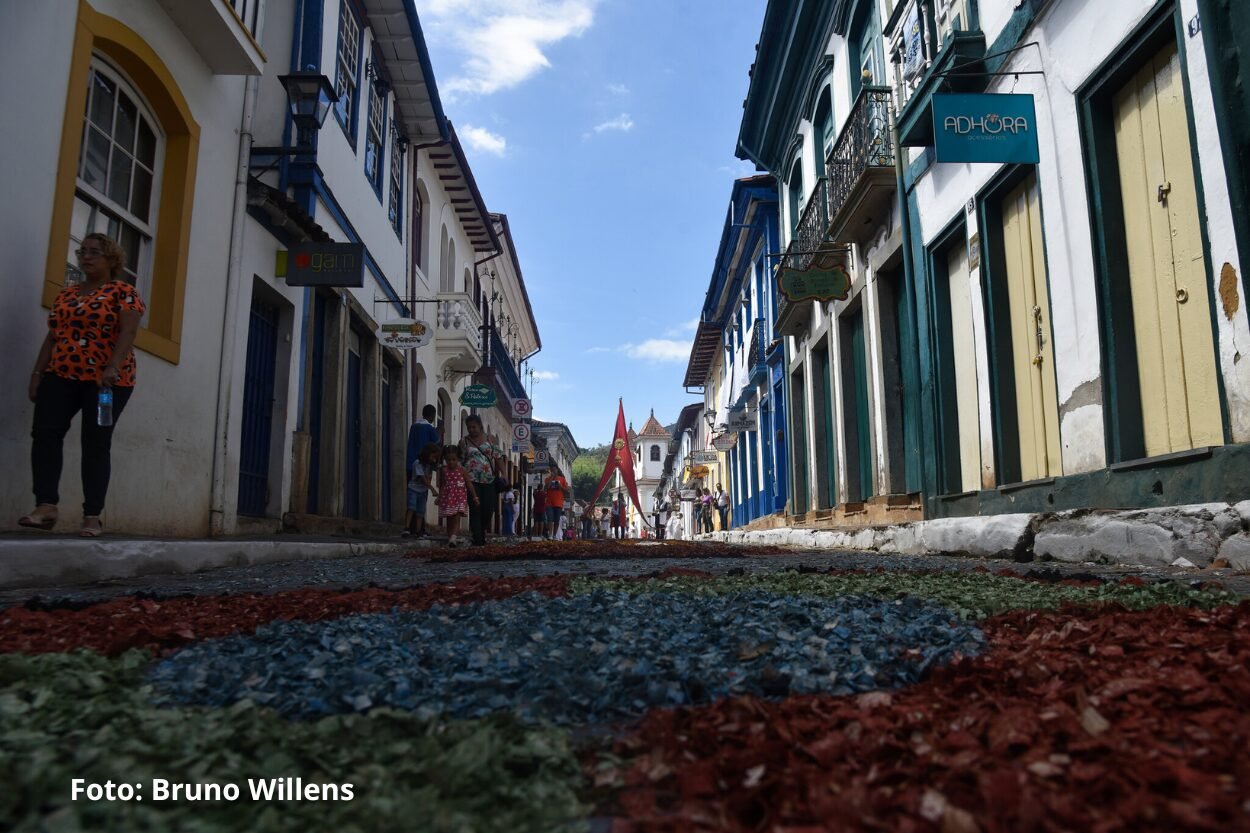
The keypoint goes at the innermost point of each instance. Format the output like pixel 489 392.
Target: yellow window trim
pixel 96 32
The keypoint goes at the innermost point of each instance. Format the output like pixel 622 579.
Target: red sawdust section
pixel 591 550
pixel 120 624
pixel 1073 721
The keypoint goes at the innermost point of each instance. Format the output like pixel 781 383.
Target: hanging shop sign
pixel 404 333
pixel 724 442
pixel 689 495
pixel 985 127
pixel 743 420
pixel 706 458
pixel 913 45
pixel 478 396
pixel 825 279
pixel 323 264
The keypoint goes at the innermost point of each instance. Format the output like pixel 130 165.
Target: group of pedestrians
pixel 464 479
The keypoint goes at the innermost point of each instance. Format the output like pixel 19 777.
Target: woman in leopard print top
pixel 91 330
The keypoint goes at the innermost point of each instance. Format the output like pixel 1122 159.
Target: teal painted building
pixel 1018 337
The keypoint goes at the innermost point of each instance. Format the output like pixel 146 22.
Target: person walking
pixel 618 516
pixel 455 490
pixel 605 519
pixel 538 514
pixel 481 459
pixel 420 485
pixel 86 363
pixel 673 531
pixel 578 512
pixel 556 487
pixel 420 434
pixel 721 499
pixel 509 510
pixel 705 511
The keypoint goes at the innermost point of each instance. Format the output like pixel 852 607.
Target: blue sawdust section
pixel 600 657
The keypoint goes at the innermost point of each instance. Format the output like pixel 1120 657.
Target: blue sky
pixel 605 130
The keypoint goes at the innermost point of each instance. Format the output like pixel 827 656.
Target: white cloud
pixel 502 41
pixel 479 138
pixel 618 89
pixel 546 375
pixel 622 123
pixel 599 350
pixel 686 328
pixel 658 350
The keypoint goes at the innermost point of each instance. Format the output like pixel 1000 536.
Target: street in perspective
pixel 626 416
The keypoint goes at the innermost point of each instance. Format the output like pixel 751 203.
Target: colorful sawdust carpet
pixel 788 702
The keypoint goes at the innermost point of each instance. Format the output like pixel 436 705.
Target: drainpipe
pixel 234 286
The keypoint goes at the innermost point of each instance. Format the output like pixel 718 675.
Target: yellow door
pixel 965 370
pixel 1033 356
pixel 1167 269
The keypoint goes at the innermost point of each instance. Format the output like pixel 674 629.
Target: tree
pixel 587 469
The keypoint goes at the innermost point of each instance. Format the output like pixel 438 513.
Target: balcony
pixel 959 67
pixel 757 363
pixel 221 32
pixel 458 333
pixel 810 234
pixel 507 380
pixel 861 171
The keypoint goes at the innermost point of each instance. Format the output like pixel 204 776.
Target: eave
pixel 456 178
pixel 400 40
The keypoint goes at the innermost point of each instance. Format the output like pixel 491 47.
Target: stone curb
pixel 1194 535
pixel 59 562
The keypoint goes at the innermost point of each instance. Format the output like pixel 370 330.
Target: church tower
pixel 650 449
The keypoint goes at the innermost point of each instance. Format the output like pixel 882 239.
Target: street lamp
pixel 309 95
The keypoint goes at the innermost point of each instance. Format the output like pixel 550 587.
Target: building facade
pixel 1017 337
pixel 261 404
pixel 739 363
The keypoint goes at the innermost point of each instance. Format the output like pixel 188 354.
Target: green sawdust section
pixel 65 716
pixel 971 595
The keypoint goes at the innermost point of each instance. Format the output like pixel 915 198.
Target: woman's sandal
pixel 38 519
pixel 91 531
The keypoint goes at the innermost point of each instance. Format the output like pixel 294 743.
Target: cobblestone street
pixel 632 687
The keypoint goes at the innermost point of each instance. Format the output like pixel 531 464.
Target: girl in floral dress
pixel 455 490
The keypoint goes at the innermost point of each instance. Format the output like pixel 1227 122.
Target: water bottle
pixel 104 408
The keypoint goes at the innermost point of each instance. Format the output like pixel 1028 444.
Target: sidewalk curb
pixel 1198 534
pixel 33 562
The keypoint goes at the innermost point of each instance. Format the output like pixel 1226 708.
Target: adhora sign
pixel 985 127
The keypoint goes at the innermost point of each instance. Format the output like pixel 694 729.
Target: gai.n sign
pixel 985 128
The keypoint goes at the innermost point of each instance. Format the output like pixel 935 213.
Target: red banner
pixel 621 456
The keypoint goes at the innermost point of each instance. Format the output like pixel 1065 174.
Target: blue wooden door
pixel 781 472
pixel 386 444
pixel 258 375
pixel 352 434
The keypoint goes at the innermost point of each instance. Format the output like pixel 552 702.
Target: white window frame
pixel 375 138
pixel 347 60
pixel 94 210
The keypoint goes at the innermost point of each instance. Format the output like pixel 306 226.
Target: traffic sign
pixel 521 409
pixel 521 432
pixel 542 458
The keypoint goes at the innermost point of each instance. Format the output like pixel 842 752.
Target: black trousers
pixel 56 403
pixel 482 513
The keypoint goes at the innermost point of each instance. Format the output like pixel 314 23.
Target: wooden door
pixel 1167 269
pixel 1033 354
pixel 964 350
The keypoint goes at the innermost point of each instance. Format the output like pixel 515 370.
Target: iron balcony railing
pixel 248 12
pixel 756 362
pixel 813 225
pixel 865 142
pixel 504 369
